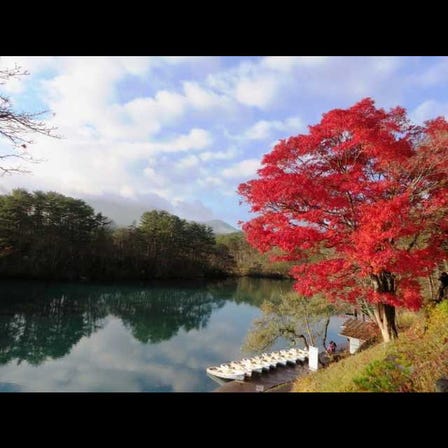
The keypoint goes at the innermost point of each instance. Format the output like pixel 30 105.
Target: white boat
pixel 228 373
pixel 262 361
pixel 278 358
pixel 252 365
pixel 239 370
pixel 291 355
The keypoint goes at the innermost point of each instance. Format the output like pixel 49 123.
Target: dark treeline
pixel 46 235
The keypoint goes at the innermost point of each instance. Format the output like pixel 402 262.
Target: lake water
pixel 158 337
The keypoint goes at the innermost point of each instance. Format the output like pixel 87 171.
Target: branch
pixel 413 242
pixel 7 73
pixel 16 127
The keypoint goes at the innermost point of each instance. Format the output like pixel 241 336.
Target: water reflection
pixel 36 324
pixel 126 337
pixel 158 314
pixel 39 322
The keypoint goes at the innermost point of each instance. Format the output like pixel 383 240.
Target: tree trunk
pixel 383 312
pixel 324 341
pixel 385 318
pixel 441 293
pixel 431 286
pixel 308 330
pixel 304 340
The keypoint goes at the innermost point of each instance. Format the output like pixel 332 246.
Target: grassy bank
pixel 413 363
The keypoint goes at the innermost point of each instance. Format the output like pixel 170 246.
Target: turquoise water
pixel 157 337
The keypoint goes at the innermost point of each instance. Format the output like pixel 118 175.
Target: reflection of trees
pixel 39 322
pixel 293 318
pixel 36 323
pixel 158 314
pixel 253 291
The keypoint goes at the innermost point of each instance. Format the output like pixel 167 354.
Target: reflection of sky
pixel 334 329
pixel 113 360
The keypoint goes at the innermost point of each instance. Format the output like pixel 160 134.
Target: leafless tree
pixel 18 127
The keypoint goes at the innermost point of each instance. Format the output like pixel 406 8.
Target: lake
pixel 155 337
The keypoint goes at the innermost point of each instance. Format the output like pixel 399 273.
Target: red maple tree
pixel 360 202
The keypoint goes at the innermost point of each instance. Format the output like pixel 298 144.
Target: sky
pixel 181 133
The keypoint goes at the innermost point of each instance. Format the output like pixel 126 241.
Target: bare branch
pixel 6 74
pixel 18 127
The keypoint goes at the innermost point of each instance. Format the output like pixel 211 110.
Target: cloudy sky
pixel 180 133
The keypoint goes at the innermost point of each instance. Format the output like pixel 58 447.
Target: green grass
pixel 406 318
pixel 413 363
pixel 338 377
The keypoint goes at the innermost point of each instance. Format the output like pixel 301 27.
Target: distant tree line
pixel 46 235
pixel 248 261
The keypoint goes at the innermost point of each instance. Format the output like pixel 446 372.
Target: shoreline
pixel 147 280
pixel 270 381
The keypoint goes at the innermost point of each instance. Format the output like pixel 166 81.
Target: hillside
pixel 413 363
pixel 220 227
pixel 125 213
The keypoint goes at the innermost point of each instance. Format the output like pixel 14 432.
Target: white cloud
pixel 188 162
pixel 195 139
pixel 160 141
pixel 95 167
pixel 201 98
pixel 431 76
pixel 250 84
pixel 106 143
pixel 259 91
pixel 263 129
pixel 32 65
pixel 127 192
pixel 92 167
pixel 288 63
pixel 194 210
pixel 177 59
pixel 151 113
pixel 347 78
pixel 272 82
pixel 218 155
pixel 83 93
pixel 246 168
pixel 210 182
pixel 428 110
pixel 155 177
pixel 137 66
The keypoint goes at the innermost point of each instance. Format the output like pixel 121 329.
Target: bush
pixel 387 375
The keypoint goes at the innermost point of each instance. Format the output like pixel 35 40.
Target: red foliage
pixel 367 187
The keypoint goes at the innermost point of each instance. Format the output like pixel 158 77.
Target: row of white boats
pixel 238 370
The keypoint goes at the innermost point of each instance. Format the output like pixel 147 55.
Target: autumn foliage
pixel 359 202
